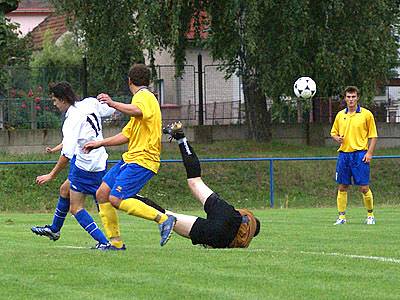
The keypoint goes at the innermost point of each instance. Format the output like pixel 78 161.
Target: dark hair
pixel 139 74
pixel 63 91
pixel 258 227
pixel 351 89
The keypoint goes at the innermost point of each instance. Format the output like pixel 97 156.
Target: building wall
pixel 27 23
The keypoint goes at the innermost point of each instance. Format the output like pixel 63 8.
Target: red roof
pixel 202 28
pixel 54 23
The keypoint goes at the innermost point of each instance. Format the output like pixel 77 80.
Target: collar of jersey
pixel 358 109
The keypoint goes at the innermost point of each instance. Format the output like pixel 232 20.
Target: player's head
pixel 63 92
pixel 351 89
pixel 139 75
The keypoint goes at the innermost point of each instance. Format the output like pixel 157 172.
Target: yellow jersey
pixel 144 133
pixel 355 128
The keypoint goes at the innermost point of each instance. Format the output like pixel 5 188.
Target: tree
pixel 13 50
pixel 109 33
pixel 268 43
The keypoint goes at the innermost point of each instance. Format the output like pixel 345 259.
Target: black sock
pixel 150 203
pixel 190 159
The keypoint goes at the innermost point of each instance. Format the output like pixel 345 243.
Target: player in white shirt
pixel 82 124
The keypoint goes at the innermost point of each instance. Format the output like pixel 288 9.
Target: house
pixel 29 14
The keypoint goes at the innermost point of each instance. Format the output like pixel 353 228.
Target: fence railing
pixel 270 201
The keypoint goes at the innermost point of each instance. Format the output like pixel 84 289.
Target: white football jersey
pixel 83 124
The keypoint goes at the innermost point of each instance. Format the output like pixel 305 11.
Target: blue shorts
pixel 350 166
pixel 126 180
pixel 82 181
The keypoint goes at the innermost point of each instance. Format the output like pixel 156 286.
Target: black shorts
pixel 221 225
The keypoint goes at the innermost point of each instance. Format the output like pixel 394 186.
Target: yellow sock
pixel 341 201
pixel 109 218
pixel 137 208
pixel 369 202
pixel 117 243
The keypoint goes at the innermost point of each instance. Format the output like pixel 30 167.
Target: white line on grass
pixel 72 247
pixel 378 258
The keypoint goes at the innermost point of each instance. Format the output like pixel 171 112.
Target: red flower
pixel 46 108
pixel 37 99
pixel 37 107
pixel 30 93
pixel 23 105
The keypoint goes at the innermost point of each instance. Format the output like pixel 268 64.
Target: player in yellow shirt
pixel 355 130
pixel 138 165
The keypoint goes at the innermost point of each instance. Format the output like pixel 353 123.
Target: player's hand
pixel 367 158
pixel 89 146
pixel 40 180
pixel 49 150
pixel 104 98
pixel 338 139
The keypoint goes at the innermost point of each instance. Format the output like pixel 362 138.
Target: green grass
pixel 299 254
pixel 297 183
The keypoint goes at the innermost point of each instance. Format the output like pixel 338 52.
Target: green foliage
pixel 13 49
pixel 57 62
pixel 110 36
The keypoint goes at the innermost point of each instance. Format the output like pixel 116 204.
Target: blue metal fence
pixel 210 160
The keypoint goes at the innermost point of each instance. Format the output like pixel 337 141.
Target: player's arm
pixel 60 165
pixel 335 131
pixel 55 149
pixel 368 156
pixel 129 109
pixel 118 139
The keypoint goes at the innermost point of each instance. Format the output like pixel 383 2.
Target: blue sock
pixel 90 226
pixel 60 214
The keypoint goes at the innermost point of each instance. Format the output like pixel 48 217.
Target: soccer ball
pixel 305 88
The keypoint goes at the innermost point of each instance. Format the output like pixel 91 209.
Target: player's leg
pixel 184 223
pixel 343 178
pixel 191 162
pixel 53 231
pixel 368 199
pixel 130 180
pixel 361 174
pixel 107 212
pixel 84 218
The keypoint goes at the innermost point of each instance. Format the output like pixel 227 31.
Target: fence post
pixel 84 77
pixel 200 83
pixel 271 183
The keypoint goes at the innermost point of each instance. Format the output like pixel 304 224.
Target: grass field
pixel 299 254
pixel 297 183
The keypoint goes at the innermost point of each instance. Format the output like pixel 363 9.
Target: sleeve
pixel 335 126
pixel 104 110
pixel 143 103
pixel 71 131
pixel 126 131
pixel 372 132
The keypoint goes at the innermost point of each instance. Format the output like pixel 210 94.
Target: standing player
pixel 82 124
pixel 353 127
pixel 225 226
pixel 138 165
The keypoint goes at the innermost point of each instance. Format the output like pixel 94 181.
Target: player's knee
pixel 64 190
pixel 102 195
pixel 114 201
pixel 74 209
pixel 364 189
